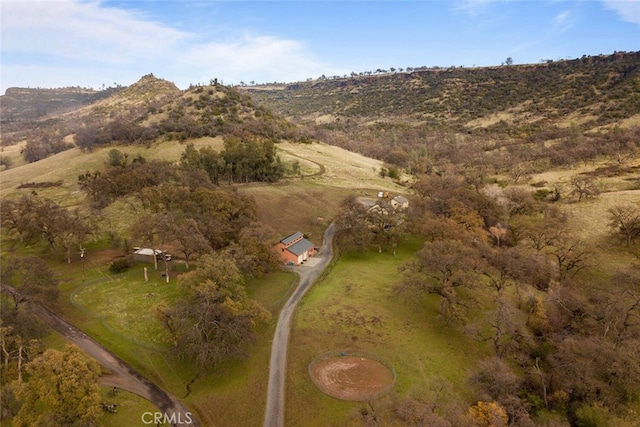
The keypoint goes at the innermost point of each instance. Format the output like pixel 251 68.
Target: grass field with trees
pixel 509 289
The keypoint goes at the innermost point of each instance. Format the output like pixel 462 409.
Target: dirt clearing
pixel 352 377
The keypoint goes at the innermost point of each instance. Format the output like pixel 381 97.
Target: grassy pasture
pixel 99 316
pixel 354 308
pixel 125 305
pixel 117 311
pixel 588 219
pixel 69 164
pixel 129 410
pixel 13 153
pixel 309 203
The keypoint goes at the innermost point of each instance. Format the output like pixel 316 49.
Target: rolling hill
pixel 592 90
pixel 492 159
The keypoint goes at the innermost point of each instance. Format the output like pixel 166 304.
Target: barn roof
pixel 300 247
pixel 295 236
pixel 401 199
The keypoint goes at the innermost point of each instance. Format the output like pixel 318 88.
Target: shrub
pixel 121 265
pixel 595 415
pixel 393 173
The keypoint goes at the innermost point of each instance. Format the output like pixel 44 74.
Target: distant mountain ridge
pixel 595 90
pixel 19 104
pixel 536 101
pixel 592 90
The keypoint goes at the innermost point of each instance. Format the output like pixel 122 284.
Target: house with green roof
pixel 295 249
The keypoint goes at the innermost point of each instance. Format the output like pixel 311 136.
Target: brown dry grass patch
pixel 352 377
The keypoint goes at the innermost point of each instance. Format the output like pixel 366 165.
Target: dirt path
pixel 274 415
pixel 321 168
pixel 122 375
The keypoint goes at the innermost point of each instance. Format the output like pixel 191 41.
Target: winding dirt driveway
pixel 274 415
pixel 321 168
pixel 122 375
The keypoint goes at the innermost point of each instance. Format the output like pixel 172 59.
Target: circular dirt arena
pixel 352 376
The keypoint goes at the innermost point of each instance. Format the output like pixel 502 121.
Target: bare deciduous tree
pixel 441 267
pixel 572 257
pixel 584 187
pixel 624 220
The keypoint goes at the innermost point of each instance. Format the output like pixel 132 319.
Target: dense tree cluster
pixel 24 279
pixel 195 222
pixel 243 159
pixel 40 147
pixel 506 272
pixel 105 186
pixel 361 223
pixel 418 147
pixel 32 219
pixel 121 130
pixel 62 389
pixel 219 214
pixel 216 319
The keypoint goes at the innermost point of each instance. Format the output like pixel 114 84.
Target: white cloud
pixel 472 7
pixel 70 29
pixel 254 57
pixel 628 10
pixel 563 21
pixel 74 42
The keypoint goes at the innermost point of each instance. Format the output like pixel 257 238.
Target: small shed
pixel 145 255
pixel 400 203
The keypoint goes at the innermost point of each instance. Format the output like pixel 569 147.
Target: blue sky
pixel 56 43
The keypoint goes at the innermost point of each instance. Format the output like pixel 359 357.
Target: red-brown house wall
pixel 285 255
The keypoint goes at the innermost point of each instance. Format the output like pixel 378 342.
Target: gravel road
pixel 121 374
pixel 274 415
pixel 125 377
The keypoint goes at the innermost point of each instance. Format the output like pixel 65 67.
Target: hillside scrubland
pixel 520 239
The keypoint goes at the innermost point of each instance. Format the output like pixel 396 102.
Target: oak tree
pixel 28 278
pixel 584 187
pixel 624 220
pixel 255 253
pixel 62 390
pixel 442 267
pixel 217 320
pixel 351 224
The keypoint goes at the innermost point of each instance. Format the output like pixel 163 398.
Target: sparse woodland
pixel 501 254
